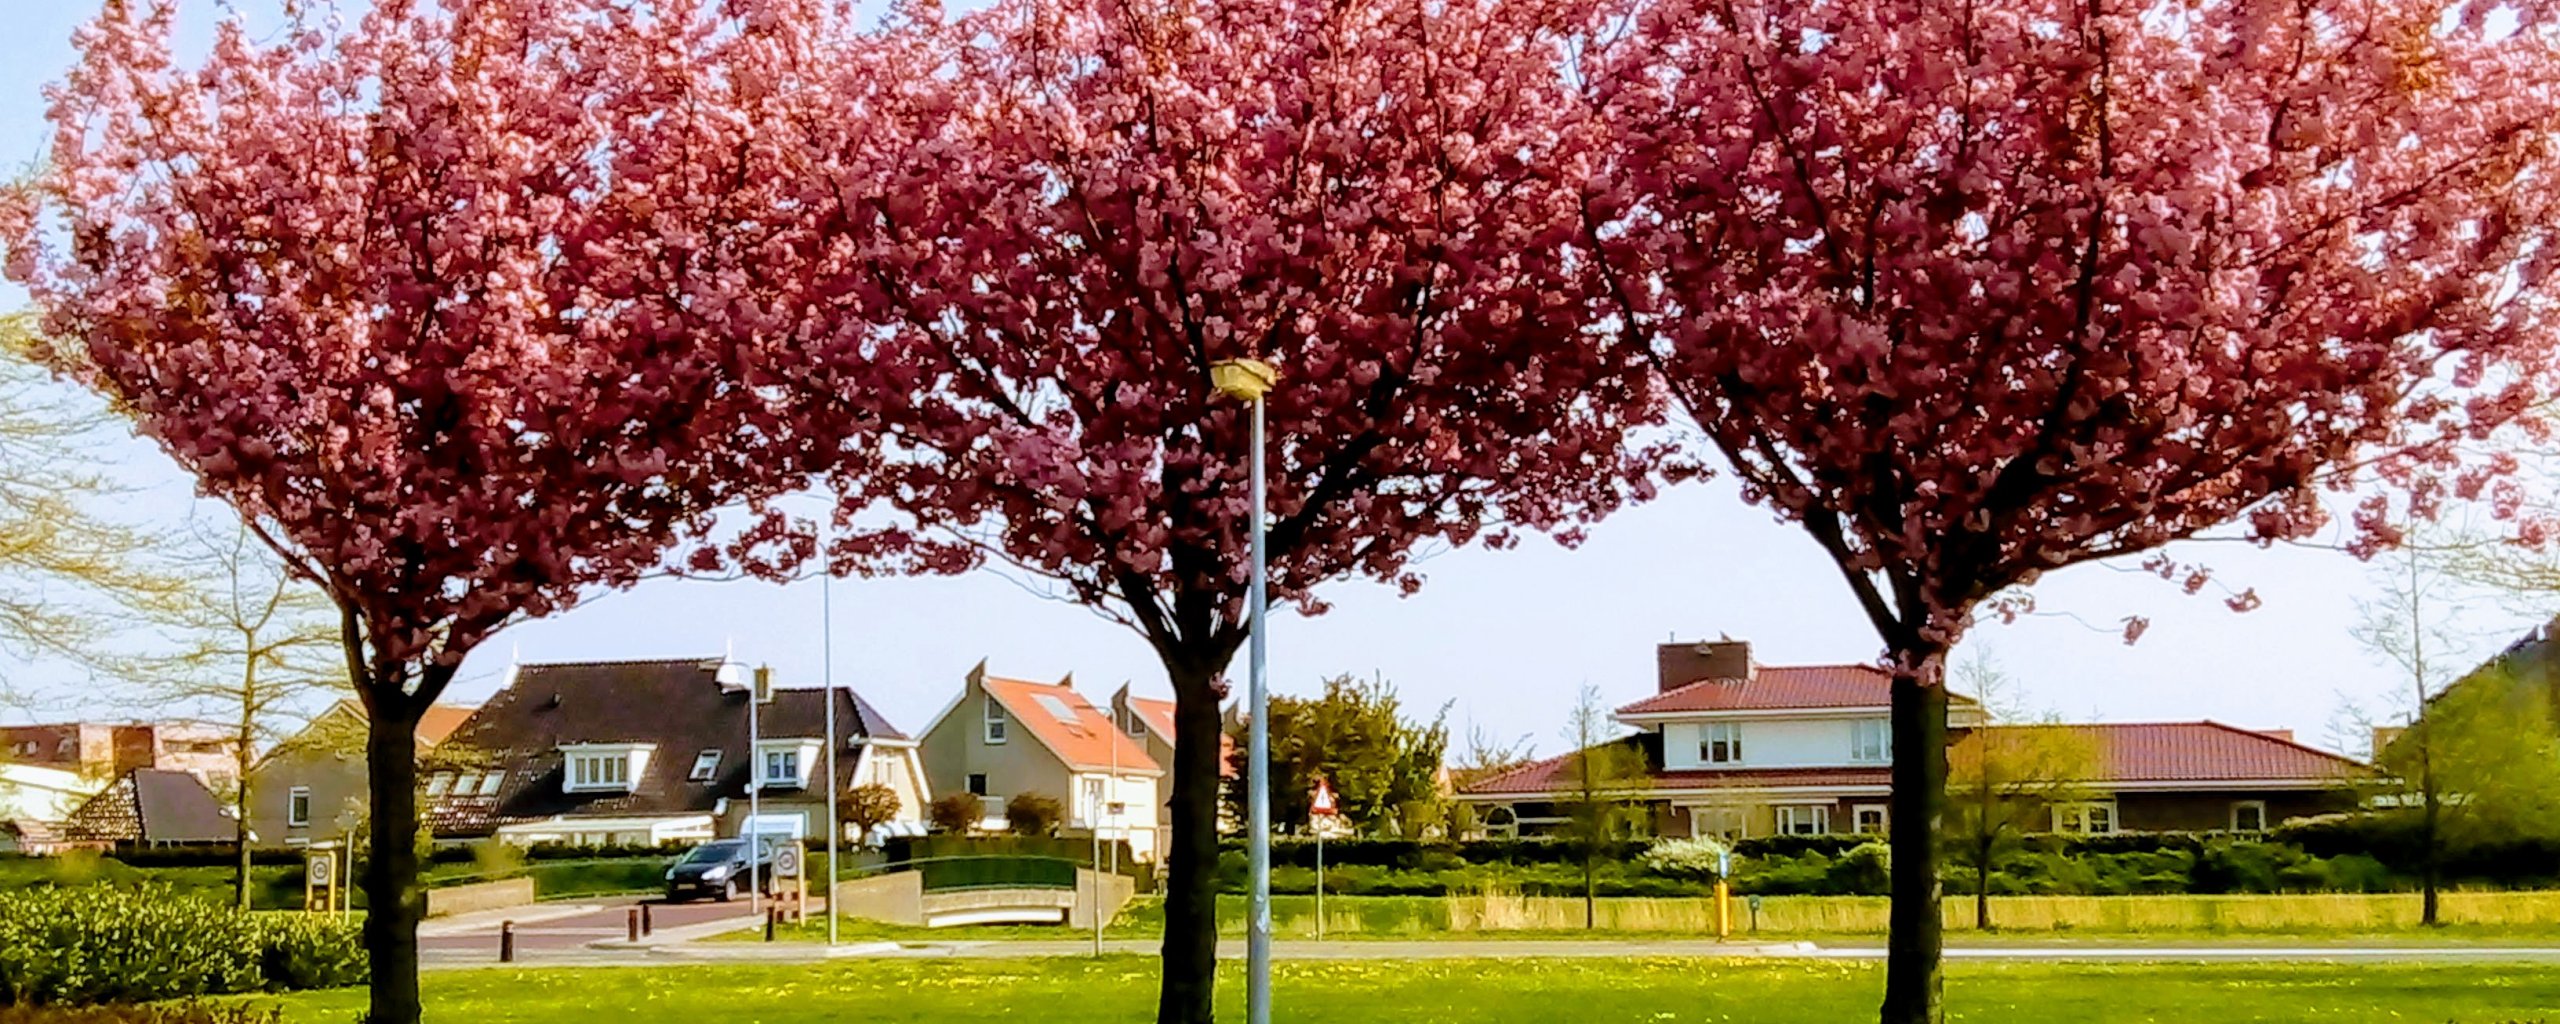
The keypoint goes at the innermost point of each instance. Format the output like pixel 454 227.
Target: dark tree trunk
pixel 1912 976
pixel 2431 841
pixel 1982 891
pixel 394 903
pixel 1191 853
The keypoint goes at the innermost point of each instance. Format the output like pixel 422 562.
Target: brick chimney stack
pixel 1681 663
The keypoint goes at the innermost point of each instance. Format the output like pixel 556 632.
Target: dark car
pixel 718 869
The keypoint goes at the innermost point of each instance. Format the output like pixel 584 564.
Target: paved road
pixel 546 934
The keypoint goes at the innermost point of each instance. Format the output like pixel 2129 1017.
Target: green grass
pixel 1121 989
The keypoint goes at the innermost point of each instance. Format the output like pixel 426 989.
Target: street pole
pixel 827 676
pixel 755 792
pixel 1258 741
pixel 1319 829
pixel 1250 380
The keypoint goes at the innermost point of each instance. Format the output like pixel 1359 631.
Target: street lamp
pixel 1248 380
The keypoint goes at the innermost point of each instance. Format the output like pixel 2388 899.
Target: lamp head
pixel 1245 380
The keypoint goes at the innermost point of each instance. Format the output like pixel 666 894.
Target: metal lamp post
pixel 1248 381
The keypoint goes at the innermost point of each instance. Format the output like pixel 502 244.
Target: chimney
pixel 2282 734
pixel 1680 664
pixel 764 684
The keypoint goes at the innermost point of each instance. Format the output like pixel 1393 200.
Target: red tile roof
pixel 2208 752
pixel 2201 753
pixel 1157 714
pixel 1085 740
pixel 1779 688
pixel 440 721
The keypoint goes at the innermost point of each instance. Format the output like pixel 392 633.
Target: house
pixel 104 751
pixel 32 838
pixel 1150 722
pixel 37 793
pixel 151 807
pixel 654 752
pixel 312 786
pixel 1004 737
pixel 1735 748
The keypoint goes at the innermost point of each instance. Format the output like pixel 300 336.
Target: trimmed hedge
pixel 107 945
pixel 189 1012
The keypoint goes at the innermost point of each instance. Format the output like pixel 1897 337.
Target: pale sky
pixel 1504 638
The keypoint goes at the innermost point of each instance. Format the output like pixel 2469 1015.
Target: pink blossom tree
pixel 1976 291
pixel 1047 220
pixel 457 309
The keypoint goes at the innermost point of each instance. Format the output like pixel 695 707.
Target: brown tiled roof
pixel 151 805
pixel 1781 688
pixel 1083 738
pixel 440 721
pixel 676 705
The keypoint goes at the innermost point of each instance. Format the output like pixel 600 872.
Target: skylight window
pixel 1057 708
pixel 705 765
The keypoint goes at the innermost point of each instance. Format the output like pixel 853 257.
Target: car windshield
pixel 711 852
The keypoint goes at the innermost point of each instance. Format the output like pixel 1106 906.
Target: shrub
pixel 494 859
pixel 957 813
pixel 1034 814
pixel 869 806
pixel 111 945
pixel 1866 870
pixel 1694 860
pixel 189 1012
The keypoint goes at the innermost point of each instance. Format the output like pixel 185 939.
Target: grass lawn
pixel 1122 989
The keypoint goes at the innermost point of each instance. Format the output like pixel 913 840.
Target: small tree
pixel 869 806
pixel 956 813
pixel 2408 624
pixel 1033 815
pixel 1383 767
pixel 1607 777
pixel 2002 778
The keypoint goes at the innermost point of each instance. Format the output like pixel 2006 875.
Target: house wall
pixel 2211 811
pixel 901 769
pixel 1137 823
pixel 956 748
pixel 338 796
pixel 1768 743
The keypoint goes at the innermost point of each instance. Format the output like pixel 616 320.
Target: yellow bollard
pixel 1724 910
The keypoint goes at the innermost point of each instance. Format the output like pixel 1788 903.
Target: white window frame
pixel 993 716
pixel 439 783
pixel 706 765
pixel 603 767
pixel 1858 814
pixel 976 784
pixel 297 807
pixel 1722 821
pixel 1871 741
pixel 884 771
pixel 1816 815
pixel 2077 817
pixel 1090 798
pixel 2259 806
pixel 781 766
pixel 1720 736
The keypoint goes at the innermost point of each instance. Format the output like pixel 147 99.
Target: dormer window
pixel 603 767
pixel 785 763
pixel 705 765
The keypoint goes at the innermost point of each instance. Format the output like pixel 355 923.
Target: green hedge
pixel 99 944
pixel 189 1012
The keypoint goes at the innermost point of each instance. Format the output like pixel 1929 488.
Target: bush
pixel 189 1012
pixel 1693 860
pixel 110 945
pixel 1866 870
pixel 957 813
pixel 1034 814
pixel 869 806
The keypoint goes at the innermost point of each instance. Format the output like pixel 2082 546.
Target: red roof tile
pixel 1157 714
pixel 2208 752
pixel 1083 738
pixel 1779 688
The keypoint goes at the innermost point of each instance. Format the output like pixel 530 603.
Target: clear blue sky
pixel 1506 638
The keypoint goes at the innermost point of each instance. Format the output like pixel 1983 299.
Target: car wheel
pixel 729 890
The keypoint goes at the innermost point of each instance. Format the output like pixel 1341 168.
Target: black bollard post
pixel 506 942
pixel 772 916
pixel 646 925
pixel 631 925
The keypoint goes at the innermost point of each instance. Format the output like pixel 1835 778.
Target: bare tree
pixel 2004 776
pixel 1608 778
pixel 2407 624
pixel 245 642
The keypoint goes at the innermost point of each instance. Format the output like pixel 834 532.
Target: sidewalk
pixel 479 921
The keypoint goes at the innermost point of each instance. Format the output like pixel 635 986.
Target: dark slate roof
pixel 676 704
pixel 151 805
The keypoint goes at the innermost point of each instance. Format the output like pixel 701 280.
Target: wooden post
pixel 506 942
pixel 631 925
pixel 646 925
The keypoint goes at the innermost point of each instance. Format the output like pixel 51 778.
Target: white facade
pixel 1776 742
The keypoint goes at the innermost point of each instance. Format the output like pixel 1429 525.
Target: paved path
pixel 554 933
pixel 615 953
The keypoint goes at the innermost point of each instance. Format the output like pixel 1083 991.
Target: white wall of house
pixel 1771 743
pixel 1136 821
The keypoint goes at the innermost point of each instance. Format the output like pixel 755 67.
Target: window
pixel 2092 818
pixel 995 721
pixel 297 806
pixel 705 765
pixel 599 771
pixel 1867 819
pixel 1720 822
pixel 466 784
pixel 1092 801
pixel 2249 816
pixel 1870 741
pixel 1136 725
pixel 1057 708
pixel 1502 822
pixel 884 770
pixel 1804 819
pixel 439 783
pixel 1720 743
pixel 978 785
pixel 489 783
pixel 782 767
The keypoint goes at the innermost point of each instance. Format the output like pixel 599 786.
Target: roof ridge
pixel 2286 739
pixel 713 659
